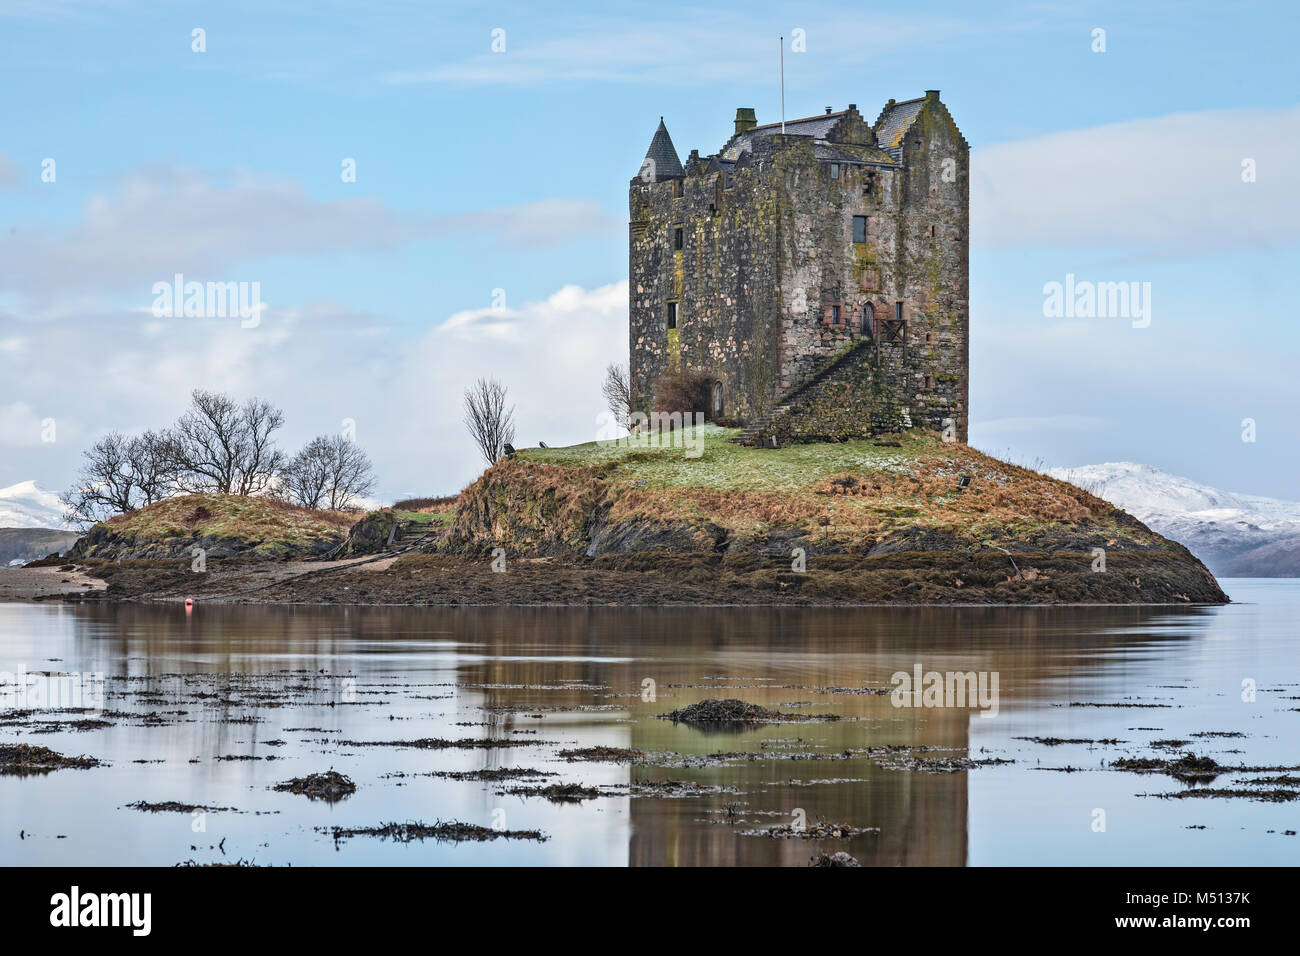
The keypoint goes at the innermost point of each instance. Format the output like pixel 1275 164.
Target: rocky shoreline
pixel 909 522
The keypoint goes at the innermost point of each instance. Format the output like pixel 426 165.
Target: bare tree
pixel 490 423
pixel 305 477
pixel 219 445
pixel 331 472
pixel 119 475
pixel 152 460
pixel 351 474
pixel 618 393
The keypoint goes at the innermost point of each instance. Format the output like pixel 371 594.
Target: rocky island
pixel 908 520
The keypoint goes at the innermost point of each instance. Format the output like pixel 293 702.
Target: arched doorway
pixel 869 320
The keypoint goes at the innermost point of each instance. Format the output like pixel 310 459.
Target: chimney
pixel 745 119
pixel 932 95
pixel 828 111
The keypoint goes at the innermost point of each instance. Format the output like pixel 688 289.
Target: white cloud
pixel 20 425
pixel 691 49
pixel 164 220
pixel 321 363
pixel 1172 184
pixel 1039 423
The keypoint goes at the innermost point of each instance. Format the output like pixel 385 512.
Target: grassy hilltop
pixel 223 525
pixel 906 521
pixel 877 521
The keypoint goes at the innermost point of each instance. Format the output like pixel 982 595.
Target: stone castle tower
pixel 814 278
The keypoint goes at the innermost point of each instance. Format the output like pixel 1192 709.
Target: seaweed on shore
pixel 330 786
pixel 21 760
pixel 730 710
pixel 450 831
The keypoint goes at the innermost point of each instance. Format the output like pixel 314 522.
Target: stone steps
pixel 406 534
pixel 789 398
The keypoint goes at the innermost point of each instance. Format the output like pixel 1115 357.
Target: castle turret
pixel 661 160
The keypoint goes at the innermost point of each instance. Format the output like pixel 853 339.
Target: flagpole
pixel 781 43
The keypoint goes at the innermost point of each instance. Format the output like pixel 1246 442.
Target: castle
pixel 811 277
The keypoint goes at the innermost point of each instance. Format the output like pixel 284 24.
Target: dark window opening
pixel 677 239
pixel 672 315
pixel 933 230
pixel 859 228
pixel 898 312
pixel 835 315
pixel 929 338
pixel 927 381
pixel 869 320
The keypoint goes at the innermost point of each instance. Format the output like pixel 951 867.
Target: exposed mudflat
pixel 958 577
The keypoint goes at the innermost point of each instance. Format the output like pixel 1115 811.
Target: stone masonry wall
pixel 766 259
pixel 722 281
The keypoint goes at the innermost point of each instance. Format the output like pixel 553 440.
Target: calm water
pixel 292 684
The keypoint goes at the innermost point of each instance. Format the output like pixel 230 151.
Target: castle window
pixel 677 239
pixel 835 315
pixel 859 228
pixel 869 320
pixel 677 189
pixel 835 170
pixel 672 315
pixel 717 398
pixel 898 312
pixel 927 381
pixel 933 230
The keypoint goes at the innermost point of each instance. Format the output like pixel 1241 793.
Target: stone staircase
pixel 407 534
pixel 749 435
pixel 790 397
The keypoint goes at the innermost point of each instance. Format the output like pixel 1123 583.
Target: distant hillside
pixel 223 525
pixel 28 544
pixel 25 506
pixel 1235 535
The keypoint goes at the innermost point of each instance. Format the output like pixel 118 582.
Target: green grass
pixel 724 465
pixel 424 517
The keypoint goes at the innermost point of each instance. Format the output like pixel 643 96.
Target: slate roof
pixel 894 121
pixel 815 126
pixel 663 155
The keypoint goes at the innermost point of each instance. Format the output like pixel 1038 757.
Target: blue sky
pixel 480 171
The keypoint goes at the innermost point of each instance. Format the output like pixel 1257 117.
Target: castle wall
pixel 766 261
pixel 722 281
pixel 934 270
pixel 823 268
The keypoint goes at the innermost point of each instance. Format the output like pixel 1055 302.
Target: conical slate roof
pixel 661 160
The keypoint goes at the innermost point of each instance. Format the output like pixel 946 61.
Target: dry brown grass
pixel 230 516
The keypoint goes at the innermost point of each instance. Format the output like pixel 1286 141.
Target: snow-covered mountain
pixel 25 506
pixel 1235 535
